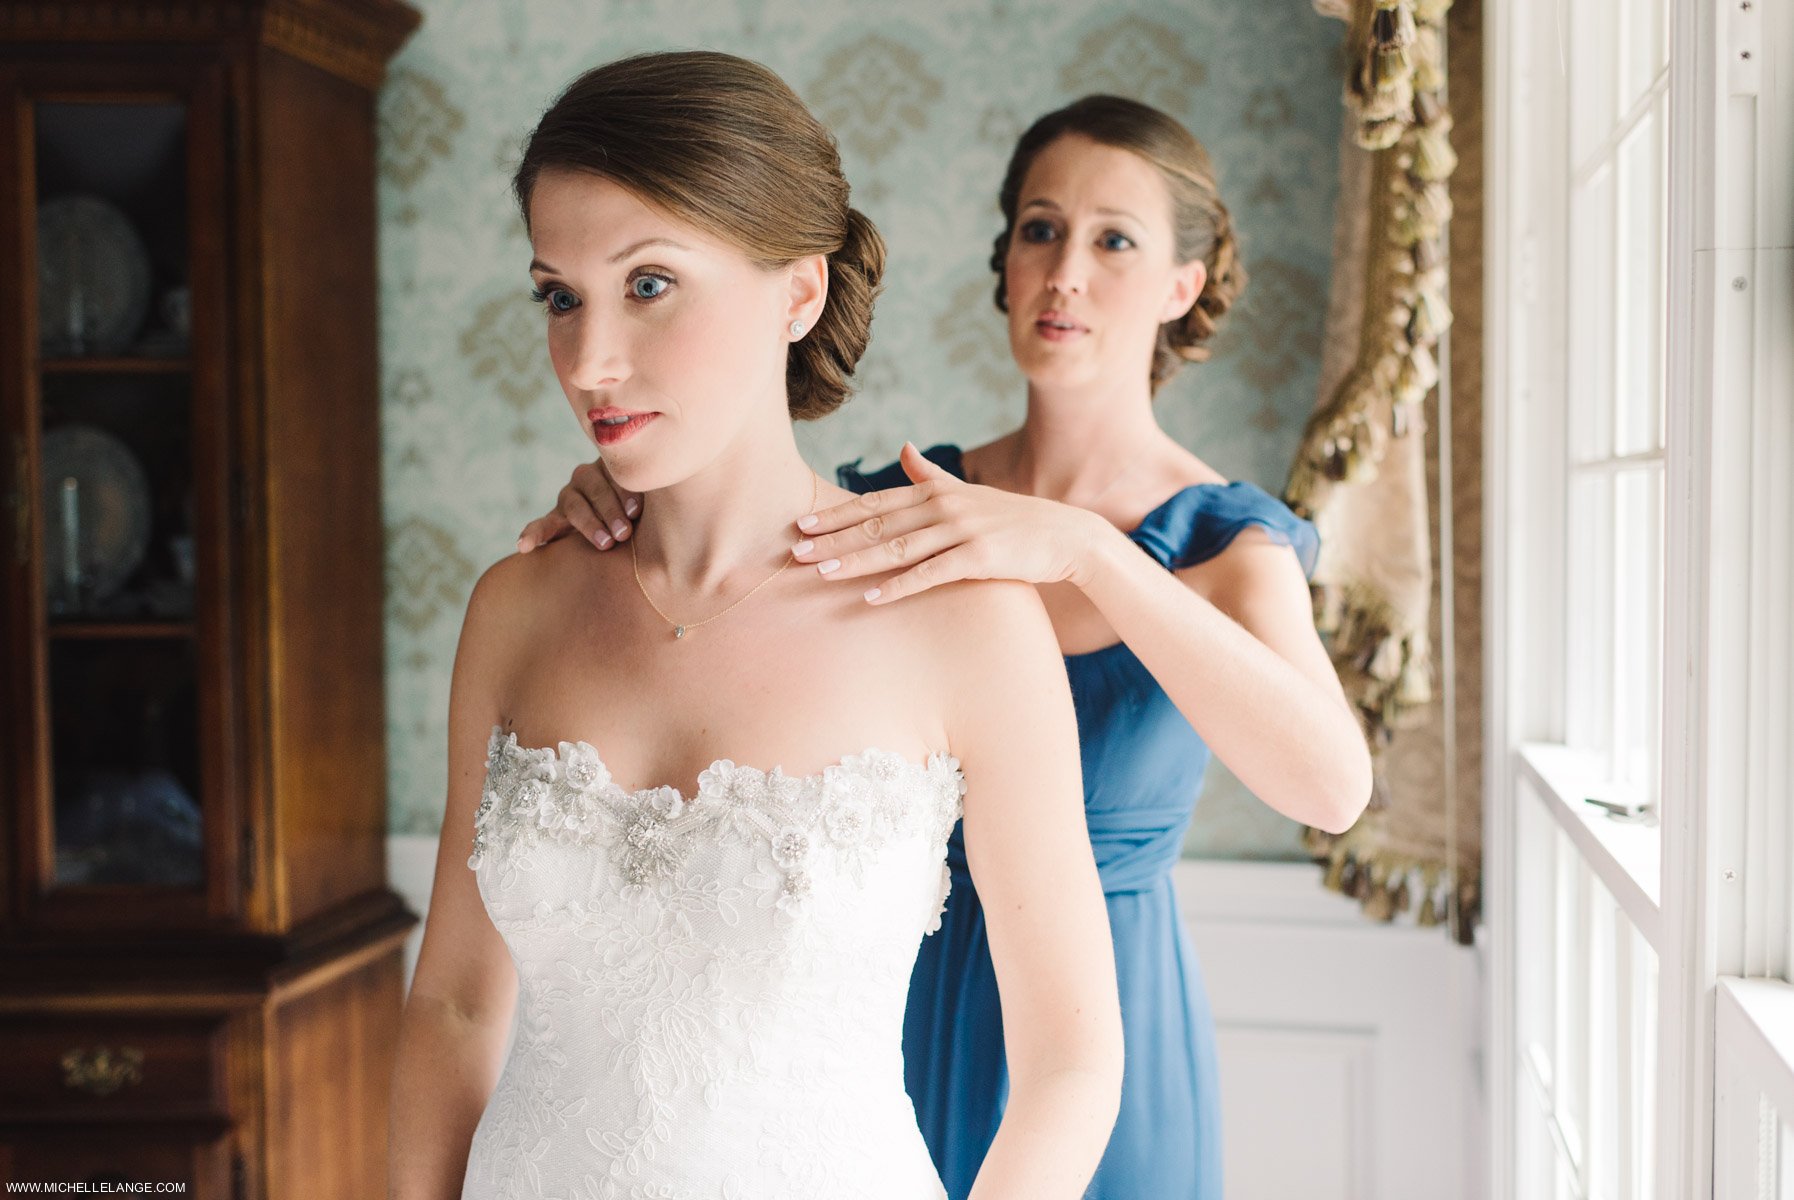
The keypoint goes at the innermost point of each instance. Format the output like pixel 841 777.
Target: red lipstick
pixel 612 425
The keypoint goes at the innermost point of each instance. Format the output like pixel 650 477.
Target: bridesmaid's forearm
pixel 1284 737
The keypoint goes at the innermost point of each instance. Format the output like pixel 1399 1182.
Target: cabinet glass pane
pixel 112 230
pixel 124 749
pixel 118 499
pixel 116 478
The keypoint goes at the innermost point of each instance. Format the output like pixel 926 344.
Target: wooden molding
pixel 352 39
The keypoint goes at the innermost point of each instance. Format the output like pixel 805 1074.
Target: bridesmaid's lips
pixel 1057 327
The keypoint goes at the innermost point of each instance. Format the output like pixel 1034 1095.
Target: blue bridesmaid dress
pixel 1143 766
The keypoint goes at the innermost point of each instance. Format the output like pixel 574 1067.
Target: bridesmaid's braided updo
pixel 1202 225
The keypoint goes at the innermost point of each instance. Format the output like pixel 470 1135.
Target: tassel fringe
pixel 1386 884
pixel 1395 88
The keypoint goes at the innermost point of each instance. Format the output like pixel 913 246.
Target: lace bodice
pixel 711 987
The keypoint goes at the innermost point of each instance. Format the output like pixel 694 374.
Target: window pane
pixel 1784 1137
pixel 1640 303
pixel 1535 920
pixel 1572 988
pixel 1643 47
pixel 1592 63
pixel 1590 303
pixel 1605 1082
pixel 1644 1054
pixel 1589 668
pixel 1638 627
pixel 1586 1022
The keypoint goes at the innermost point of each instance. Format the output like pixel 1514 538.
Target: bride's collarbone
pixel 660 715
pixel 800 676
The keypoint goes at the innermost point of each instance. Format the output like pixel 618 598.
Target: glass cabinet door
pixel 128 444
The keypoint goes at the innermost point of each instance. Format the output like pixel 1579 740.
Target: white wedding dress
pixel 711 988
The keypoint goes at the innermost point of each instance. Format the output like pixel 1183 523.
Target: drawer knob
pixel 102 1070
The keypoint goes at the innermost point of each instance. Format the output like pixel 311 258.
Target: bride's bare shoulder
pixel 982 623
pixel 521 591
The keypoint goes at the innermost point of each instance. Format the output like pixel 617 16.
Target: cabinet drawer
pixel 127 1158
pixel 87 1068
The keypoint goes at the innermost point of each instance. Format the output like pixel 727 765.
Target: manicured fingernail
pixel 872 594
pixel 602 538
pixel 632 506
pixel 523 545
pixel 808 521
pixel 833 564
pixel 803 547
pixel 619 527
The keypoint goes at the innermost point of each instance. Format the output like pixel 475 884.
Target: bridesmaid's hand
pixel 944 529
pixel 593 504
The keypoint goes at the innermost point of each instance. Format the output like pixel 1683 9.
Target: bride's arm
pixel 458 1015
pixel 1029 851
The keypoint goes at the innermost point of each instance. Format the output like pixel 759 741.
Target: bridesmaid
pixel 1116 260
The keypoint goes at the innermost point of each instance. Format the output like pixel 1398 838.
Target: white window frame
pixel 1720 914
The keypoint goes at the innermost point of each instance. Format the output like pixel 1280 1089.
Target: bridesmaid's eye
pixel 1037 231
pixel 1117 241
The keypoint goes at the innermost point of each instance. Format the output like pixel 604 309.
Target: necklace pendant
pixel 678 631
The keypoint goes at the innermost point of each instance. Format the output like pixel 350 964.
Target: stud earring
pixel 797 329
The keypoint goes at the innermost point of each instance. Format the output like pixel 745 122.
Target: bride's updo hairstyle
pixel 1202 225
pixel 723 144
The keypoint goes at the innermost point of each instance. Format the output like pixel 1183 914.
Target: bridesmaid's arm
pixel 1232 642
pixel 1029 850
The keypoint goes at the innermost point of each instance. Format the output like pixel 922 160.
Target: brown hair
pixel 1200 222
pixel 724 144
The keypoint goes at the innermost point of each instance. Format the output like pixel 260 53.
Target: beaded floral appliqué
pixel 566 795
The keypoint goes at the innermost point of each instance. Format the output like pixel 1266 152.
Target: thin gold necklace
pixel 681 629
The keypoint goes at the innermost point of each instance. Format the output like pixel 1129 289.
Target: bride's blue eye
pixel 649 287
pixel 1037 231
pixel 558 299
pixel 1117 241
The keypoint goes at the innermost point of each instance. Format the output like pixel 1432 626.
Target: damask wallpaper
pixel 926 99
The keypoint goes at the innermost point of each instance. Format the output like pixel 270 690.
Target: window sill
pixel 1626 857
pixel 1754 1027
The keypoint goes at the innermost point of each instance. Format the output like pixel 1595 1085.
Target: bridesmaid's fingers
pixel 592 486
pixel 900 551
pixel 946 567
pixel 541 531
pixel 851 512
pixel 871 531
pixel 609 498
pixel 580 513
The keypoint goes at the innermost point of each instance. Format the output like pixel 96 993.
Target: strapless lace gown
pixel 711 988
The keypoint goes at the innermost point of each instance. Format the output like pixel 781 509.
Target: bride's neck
pixel 738 515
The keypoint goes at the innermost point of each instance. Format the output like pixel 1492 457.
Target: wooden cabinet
pixel 200 971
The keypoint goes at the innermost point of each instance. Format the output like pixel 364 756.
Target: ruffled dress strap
pixel 1202 520
pixel 946 456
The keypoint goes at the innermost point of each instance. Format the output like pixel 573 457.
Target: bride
pixel 705 799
